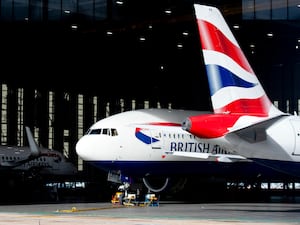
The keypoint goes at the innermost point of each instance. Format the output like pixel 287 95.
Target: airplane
pixel 34 160
pixel 149 147
pixel 244 120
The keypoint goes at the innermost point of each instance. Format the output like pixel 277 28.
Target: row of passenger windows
pixel 13 158
pixel 176 135
pixel 114 132
pixel 179 136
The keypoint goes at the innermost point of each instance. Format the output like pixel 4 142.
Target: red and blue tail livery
pixel 234 87
pixel 235 91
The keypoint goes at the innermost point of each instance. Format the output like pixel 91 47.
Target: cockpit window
pixel 114 132
pixel 95 131
pixel 104 131
pixel 88 131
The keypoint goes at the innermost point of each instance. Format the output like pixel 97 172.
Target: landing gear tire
pixel 156 185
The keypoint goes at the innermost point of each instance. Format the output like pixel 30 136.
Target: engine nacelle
pixel 210 125
pixel 156 185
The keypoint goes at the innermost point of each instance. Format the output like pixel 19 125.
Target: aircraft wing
pixel 256 132
pixel 218 157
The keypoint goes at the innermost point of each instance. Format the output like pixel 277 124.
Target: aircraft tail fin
pixel 32 143
pixel 234 87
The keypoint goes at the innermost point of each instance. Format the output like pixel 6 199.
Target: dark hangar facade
pixel 67 63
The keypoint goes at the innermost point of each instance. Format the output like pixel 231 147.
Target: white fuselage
pixel 153 141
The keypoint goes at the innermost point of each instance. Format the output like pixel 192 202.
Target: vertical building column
pixel 29 109
pixel 4 93
pixel 42 116
pixel 75 127
pixel 59 123
pixel 12 106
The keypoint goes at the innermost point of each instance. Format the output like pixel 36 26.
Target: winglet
pixel 32 143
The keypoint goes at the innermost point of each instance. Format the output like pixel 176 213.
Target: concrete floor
pixel 165 213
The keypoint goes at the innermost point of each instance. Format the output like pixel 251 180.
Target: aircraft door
pixel 296 126
pixel 156 143
pixel 156 139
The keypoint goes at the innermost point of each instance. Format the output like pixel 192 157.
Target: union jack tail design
pixel 234 87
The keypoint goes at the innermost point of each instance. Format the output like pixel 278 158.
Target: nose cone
pixel 82 148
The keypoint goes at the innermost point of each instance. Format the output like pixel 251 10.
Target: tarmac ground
pixel 165 213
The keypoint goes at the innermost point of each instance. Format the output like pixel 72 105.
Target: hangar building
pixel 67 63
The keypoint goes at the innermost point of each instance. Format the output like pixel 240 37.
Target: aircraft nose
pixel 81 147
